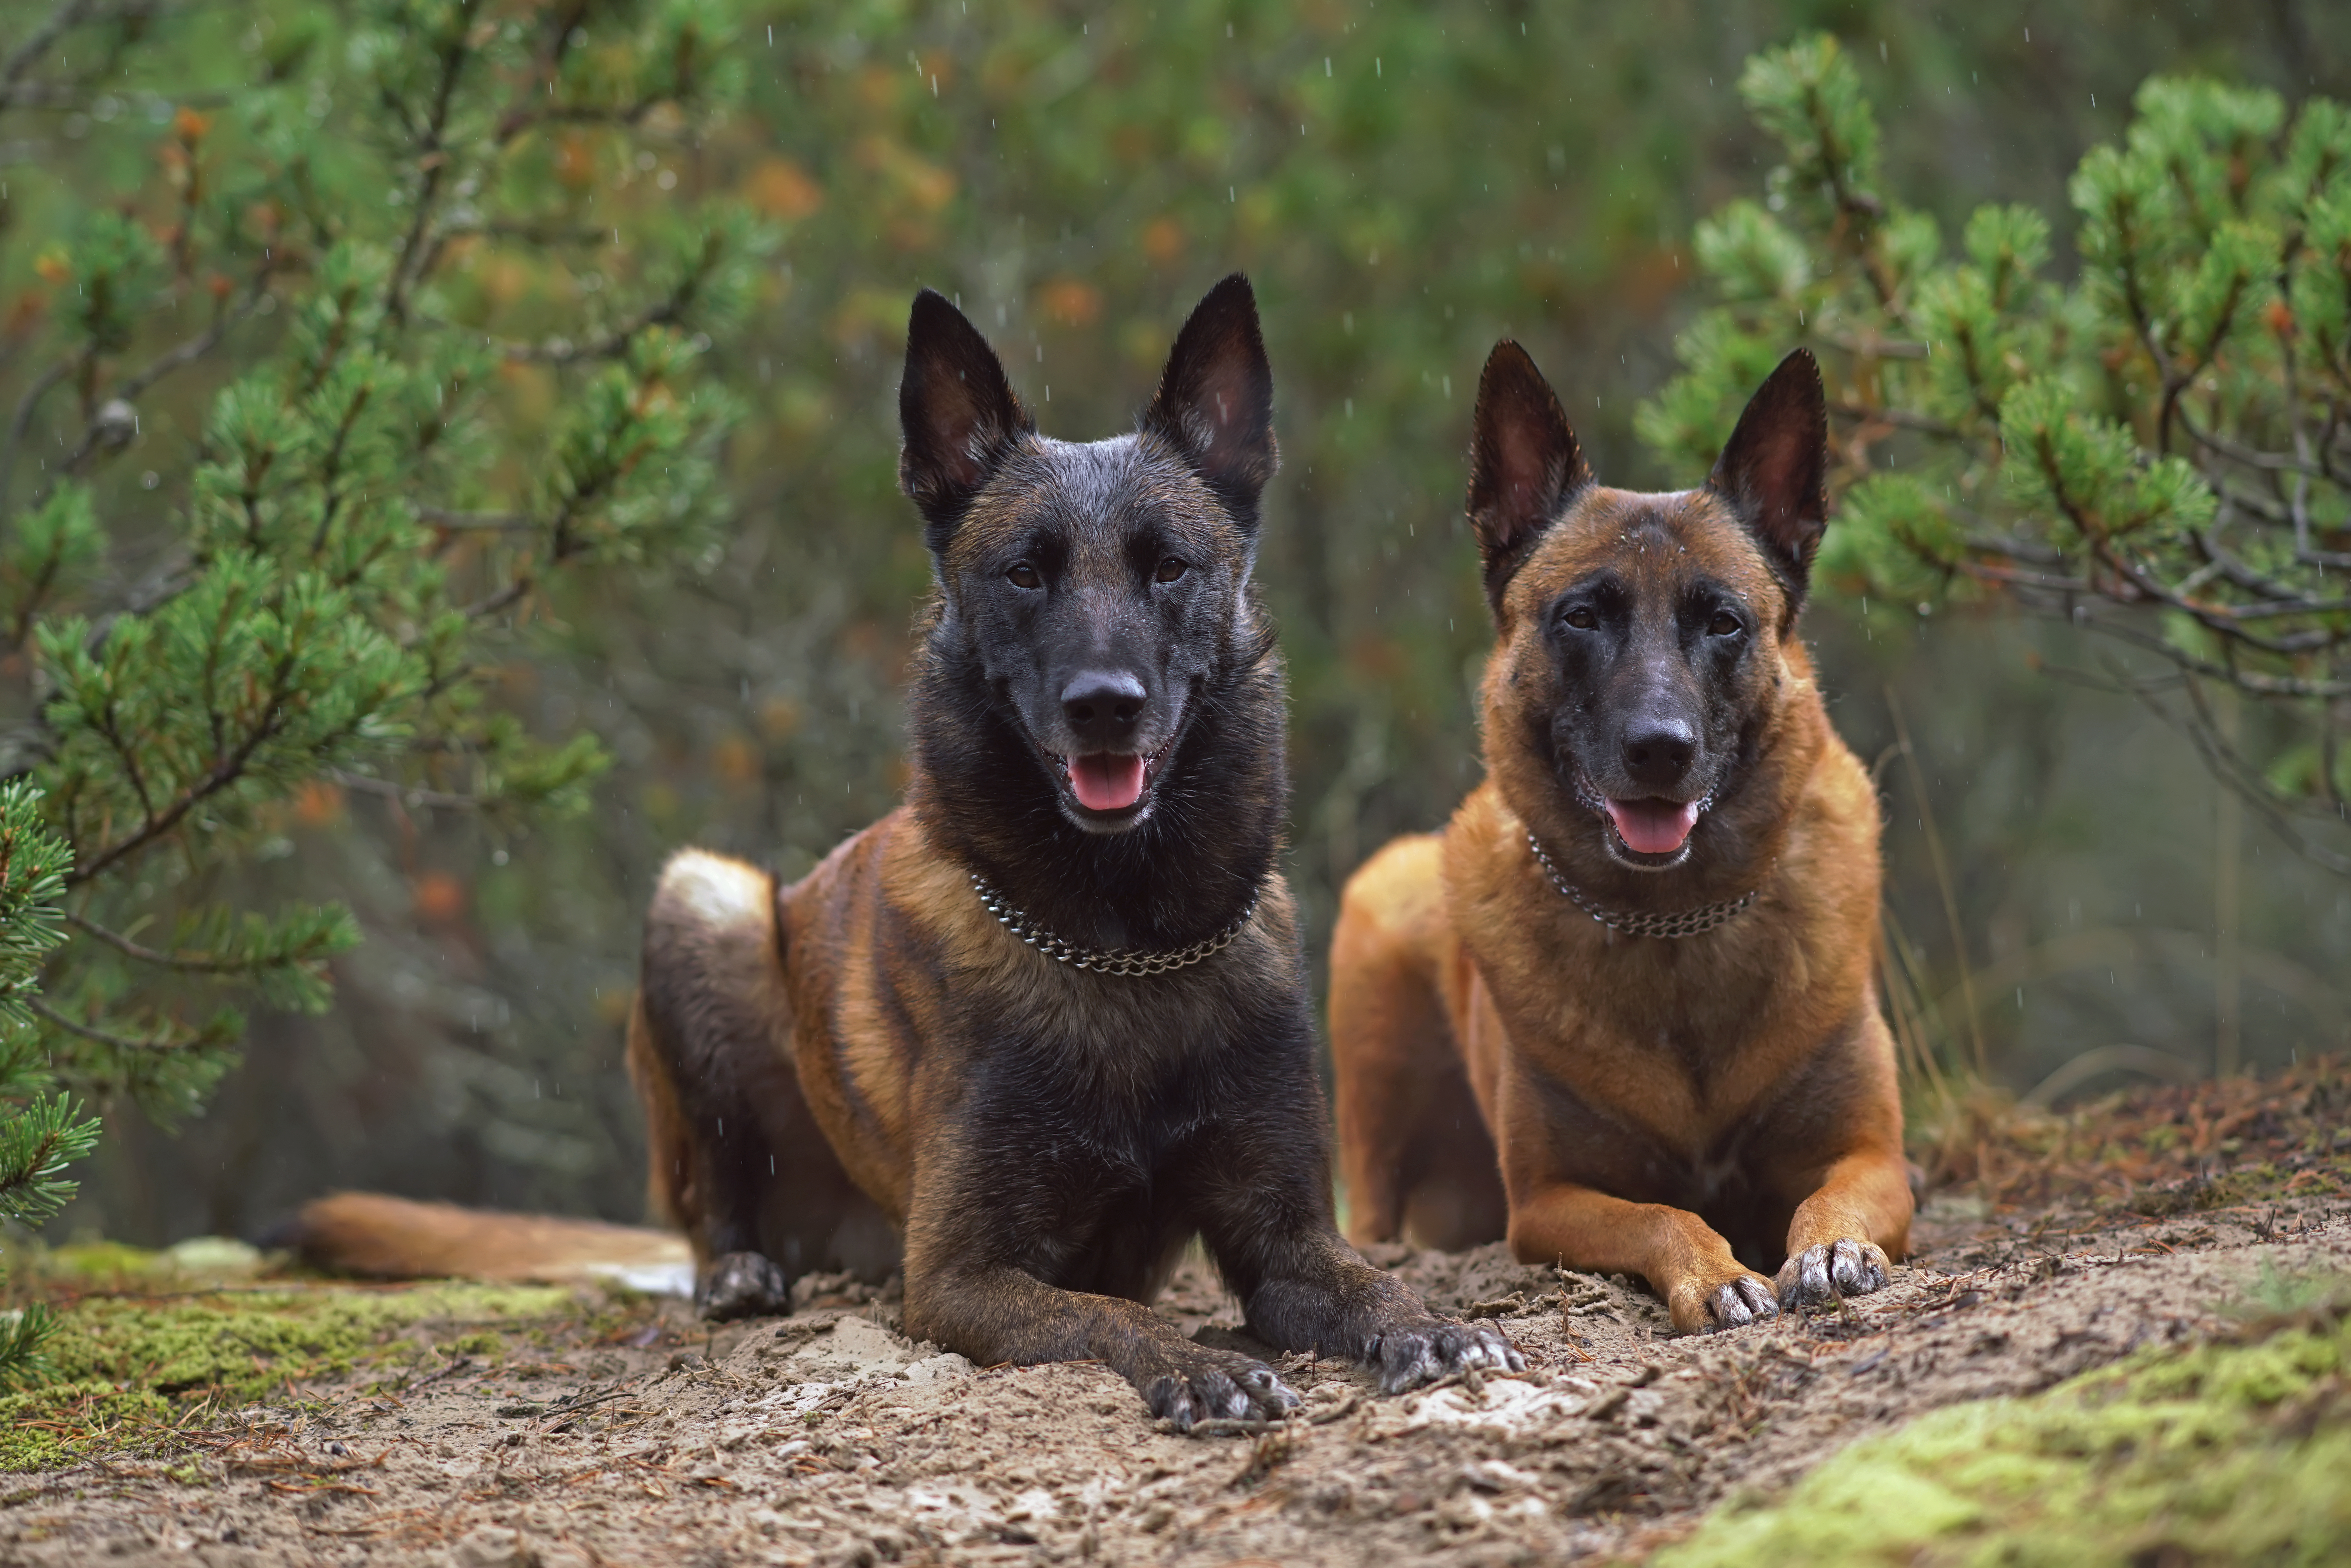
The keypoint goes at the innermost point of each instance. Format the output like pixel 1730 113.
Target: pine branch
pixel 23 1333
pixel 97 1036
pixel 38 1141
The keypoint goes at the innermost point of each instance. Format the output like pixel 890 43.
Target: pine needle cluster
pixel 288 460
pixel 2158 450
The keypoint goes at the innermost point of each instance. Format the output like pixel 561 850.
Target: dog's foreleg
pixel 1304 1289
pixel 997 1315
pixel 1840 1239
pixel 1681 1256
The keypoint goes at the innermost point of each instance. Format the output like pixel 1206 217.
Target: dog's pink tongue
pixel 1106 782
pixel 1653 826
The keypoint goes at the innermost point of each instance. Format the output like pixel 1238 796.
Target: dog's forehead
pixel 1655 542
pixel 1091 495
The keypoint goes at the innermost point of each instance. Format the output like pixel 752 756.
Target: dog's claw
pixel 741 1285
pixel 1238 1390
pixel 1822 1274
pixel 1438 1347
pixel 1740 1301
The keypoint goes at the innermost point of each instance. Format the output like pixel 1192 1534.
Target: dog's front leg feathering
pixel 1682 1257
pixel 1268 1225
pixel 973 1285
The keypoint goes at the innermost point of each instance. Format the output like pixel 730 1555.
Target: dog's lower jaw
pixel 1109 827
pixel 1632 859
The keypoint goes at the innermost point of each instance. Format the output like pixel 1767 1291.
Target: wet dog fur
pixel 1716 1112
pixel 870 1055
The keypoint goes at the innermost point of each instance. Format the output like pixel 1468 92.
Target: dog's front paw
pixel 1417 1352
pixel 741 1285
pixel 1727 1303
pixel 1846 1268
pixel 1226 1387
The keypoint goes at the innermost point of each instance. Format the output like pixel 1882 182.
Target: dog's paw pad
pixel 741 1285
pixel 1821 1274
pixel 1737 1302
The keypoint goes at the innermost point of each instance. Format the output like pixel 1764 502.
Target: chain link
pixel 1104 961
pixel 1687 923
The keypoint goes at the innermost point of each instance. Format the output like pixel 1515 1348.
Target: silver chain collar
pixel 1104 961
pixel 1685 923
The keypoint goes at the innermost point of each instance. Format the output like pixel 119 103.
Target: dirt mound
pixel 474 1427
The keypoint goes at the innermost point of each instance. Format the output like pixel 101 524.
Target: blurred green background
pixel 1404 185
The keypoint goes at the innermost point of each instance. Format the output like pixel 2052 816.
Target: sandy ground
pixel 826 1438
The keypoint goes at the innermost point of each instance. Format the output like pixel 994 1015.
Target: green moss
pixel 41 1429
pixel 124 1364
pixel 2229 1453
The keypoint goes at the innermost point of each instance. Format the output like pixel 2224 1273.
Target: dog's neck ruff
pixel 1102 960
pixel 1682 922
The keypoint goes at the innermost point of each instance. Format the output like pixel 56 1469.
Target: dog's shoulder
pixel 1493 890
pixel 1399 893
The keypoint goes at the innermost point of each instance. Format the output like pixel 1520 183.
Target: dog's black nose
pixel 1658 751
pixel 1101 706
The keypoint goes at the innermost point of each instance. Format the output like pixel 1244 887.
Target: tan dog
pixel 1633 975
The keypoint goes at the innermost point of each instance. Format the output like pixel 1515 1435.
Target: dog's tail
pixel 394 1238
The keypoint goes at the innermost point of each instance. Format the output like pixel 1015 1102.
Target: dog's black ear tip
pixel 1801 368
pixel 1228 314
pixel 934 317
pixel 1233 287
pixel 1509 353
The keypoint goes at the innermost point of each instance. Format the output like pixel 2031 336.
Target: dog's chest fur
pixel 915 1011
pixel 1681 1039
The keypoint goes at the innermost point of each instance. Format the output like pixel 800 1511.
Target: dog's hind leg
pixel 1414 1154
pixel 738 1162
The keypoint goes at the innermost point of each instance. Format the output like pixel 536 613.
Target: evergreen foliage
pixel 305 581
pixel 2158 450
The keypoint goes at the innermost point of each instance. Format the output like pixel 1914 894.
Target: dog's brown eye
pixel 1023 575
pixel 1171 569
pixel 1724 624
pixel 1580 618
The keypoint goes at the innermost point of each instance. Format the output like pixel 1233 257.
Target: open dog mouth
pixel 1110 781
pixel 1648 832
pixel 1653 826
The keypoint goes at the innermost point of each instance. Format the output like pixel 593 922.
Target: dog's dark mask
pixel 1096 583
pixel 1653 622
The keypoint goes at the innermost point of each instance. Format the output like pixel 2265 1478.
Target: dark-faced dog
pixel 1633 976
pixel 1046 1021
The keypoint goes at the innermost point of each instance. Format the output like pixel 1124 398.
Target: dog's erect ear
pixel 956 412
pixel 1524 464
pixel 1216 398
pixel 1775 472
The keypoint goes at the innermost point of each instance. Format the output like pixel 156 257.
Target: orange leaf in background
pixel 2279 317
pixel 736 761
pixel 779 719
pixel 504 280
pixel 54 265
pixel 439 896
pixel 575 162
pixel 779 188
pixel 318 803
pixel 1163 240
pixel 1067 299
pixel 189 126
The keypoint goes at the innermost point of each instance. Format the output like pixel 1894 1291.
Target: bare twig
pixel 194 963
pixel 104 1037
